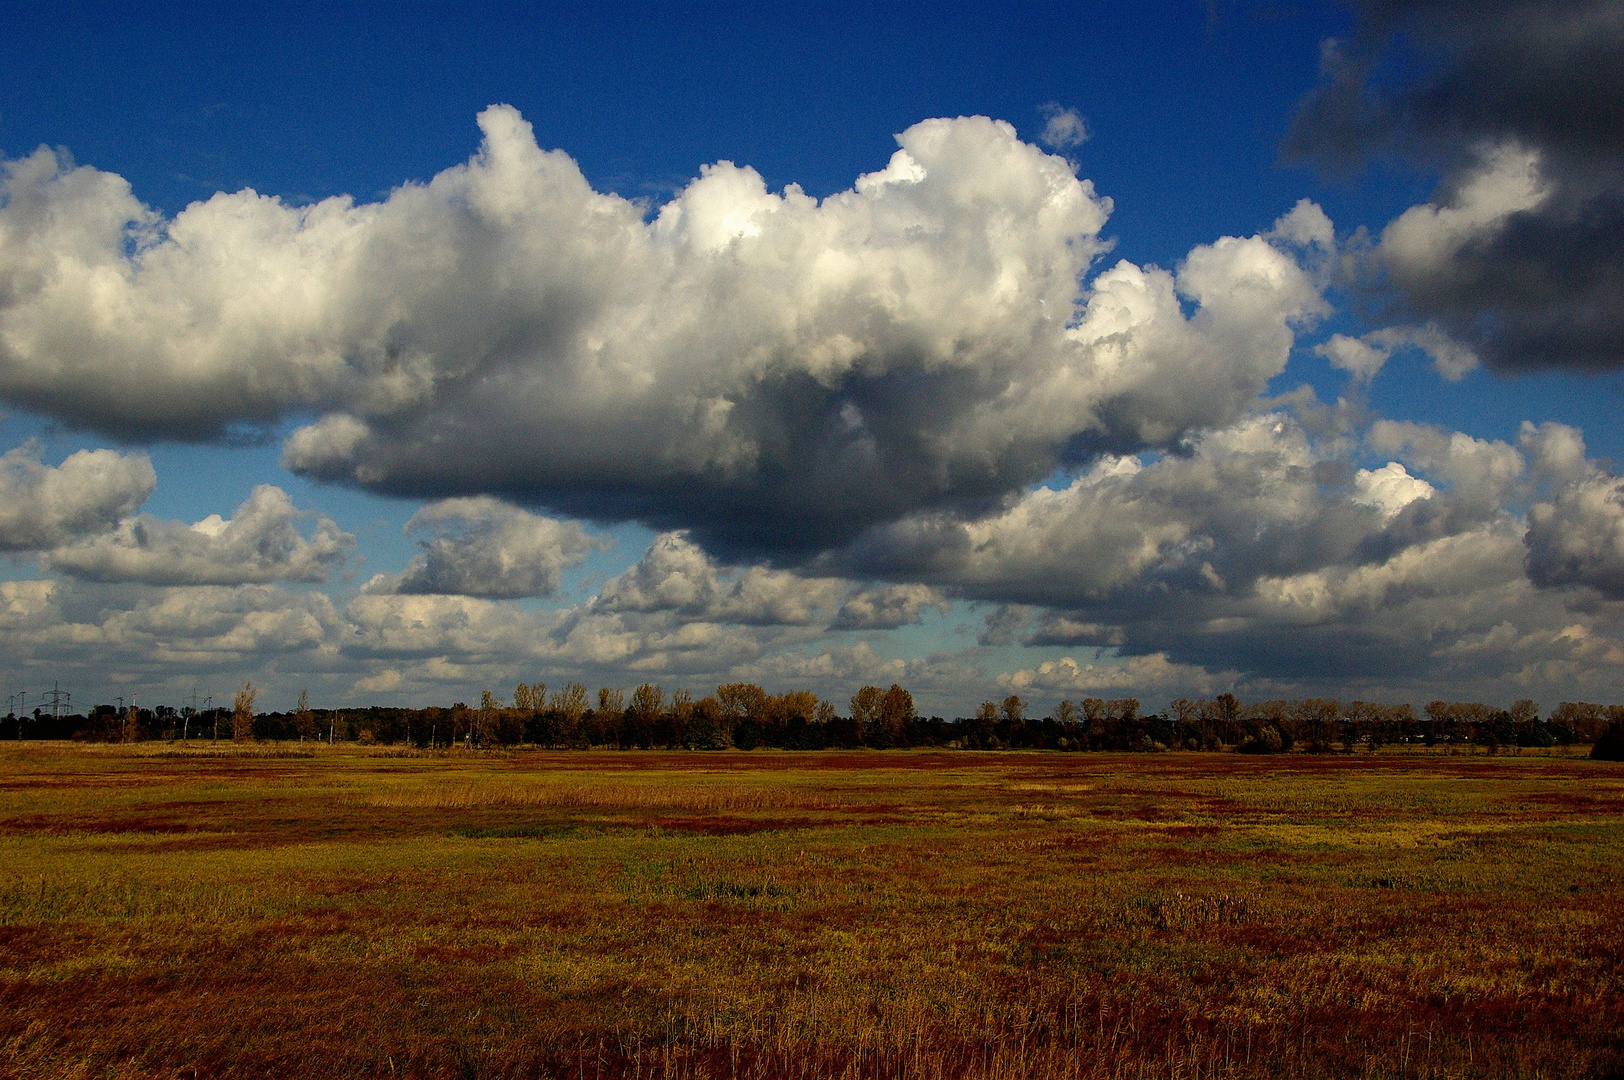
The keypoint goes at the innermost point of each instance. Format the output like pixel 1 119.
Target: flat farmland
pixel 235 912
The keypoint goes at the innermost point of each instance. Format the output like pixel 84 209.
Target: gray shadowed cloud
pixel 483 547
pixel 886 607
pixel 771 372
pixel 1304 549
pixel 1576 532
pixel 1275 553
pixel 1519 254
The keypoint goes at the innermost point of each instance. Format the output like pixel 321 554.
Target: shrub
pixel 1610 747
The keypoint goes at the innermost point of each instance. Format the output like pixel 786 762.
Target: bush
pixel 1610 747
pixel 1267 741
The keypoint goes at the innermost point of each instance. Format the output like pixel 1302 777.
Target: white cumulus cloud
pixel 260 542
pixel 773 372
pixel 42 506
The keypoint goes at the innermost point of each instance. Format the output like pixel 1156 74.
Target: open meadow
pixel 300 911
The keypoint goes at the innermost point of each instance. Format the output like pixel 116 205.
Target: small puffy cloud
pixel 1579 539
pixel 1151 674
pixel 1358 357
pixel 1063 128
pixel 1364 357
pixel 1305 226
pixel 485 547
pixel 1451 358
pixel 386 681
pixel 42 506
pixel 676 576
pixel 1482 475
pixel 471 630
pixel 1389 489
pixel 261 542
pixel 886 607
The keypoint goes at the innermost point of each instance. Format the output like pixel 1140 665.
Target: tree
pixel 1316 721
pixel 242 713
pixel 794 721
pixel 1585 720
pixel 1068 717
pixel 982 725
pixel 571 701
pixel 1268 740
pixel 865 713
pixel 1610 747
pixel 304 721
pixel 648 702
pixel 673 728
pixel 1013 710
pixel 742 701
pixel 708 728
pixel 606 718
pixel 570 705
pixel 798 704
pixel 896 713
pixel 485 720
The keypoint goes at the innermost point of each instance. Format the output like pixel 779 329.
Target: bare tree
pixel 647 702
pixel 303 719
pixel 242 713
pixel 485 719
pixel 570 701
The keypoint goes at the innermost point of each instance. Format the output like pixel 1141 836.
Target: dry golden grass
pixel 169 912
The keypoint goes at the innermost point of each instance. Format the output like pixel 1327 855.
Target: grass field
pixel 194 912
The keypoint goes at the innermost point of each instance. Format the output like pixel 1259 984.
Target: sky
pixel 398 353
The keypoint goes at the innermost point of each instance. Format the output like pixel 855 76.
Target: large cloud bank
pixel 772 372
pixel 850 421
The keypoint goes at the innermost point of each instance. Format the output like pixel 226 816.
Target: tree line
pixel 744 716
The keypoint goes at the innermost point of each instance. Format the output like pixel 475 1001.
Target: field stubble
pixel 178 912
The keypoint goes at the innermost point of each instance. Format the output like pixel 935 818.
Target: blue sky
pixel 1196 129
